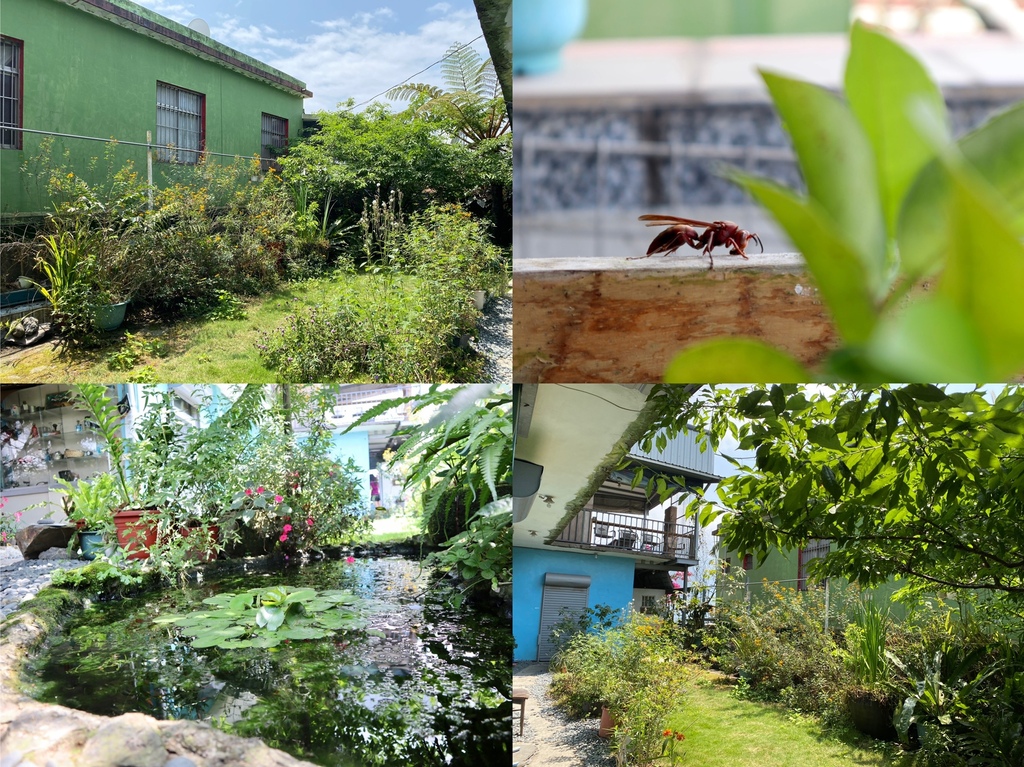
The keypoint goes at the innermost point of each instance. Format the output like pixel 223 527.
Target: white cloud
pixel 356 57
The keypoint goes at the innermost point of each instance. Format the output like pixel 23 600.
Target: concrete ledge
pixel 619 321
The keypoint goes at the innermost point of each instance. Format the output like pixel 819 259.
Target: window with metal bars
pixel 11 79
pixel 273 136
pixel 180 124
pixel 814 549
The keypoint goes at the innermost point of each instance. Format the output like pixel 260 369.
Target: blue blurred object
pixel 540 29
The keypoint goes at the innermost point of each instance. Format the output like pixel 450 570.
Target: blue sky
pixel 339 49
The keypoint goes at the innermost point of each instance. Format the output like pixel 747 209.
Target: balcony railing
pixel 602 530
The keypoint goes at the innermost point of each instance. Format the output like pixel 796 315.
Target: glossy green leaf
pixel 838 167
pixel 733 359
pixel 996 152
pixel 270 618
pixel 824 436
pixel 830 482
pixel 930 340
pixel 838 272
pixel 882 78
pixel 796 496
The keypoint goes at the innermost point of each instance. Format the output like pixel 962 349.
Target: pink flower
pixel 260 489
pixel 3 536
pixel 278 499
pixel 17 516
pixel 283 538
pixel 350 560
pixel 248 491
pixel 287 528
pixel 309 521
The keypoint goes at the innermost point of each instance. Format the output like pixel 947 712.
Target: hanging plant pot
pixel 135 532
pixel 110 317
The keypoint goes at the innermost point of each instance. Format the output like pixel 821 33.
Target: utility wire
pixel 446 56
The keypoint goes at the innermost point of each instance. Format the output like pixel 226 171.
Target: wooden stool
pixel 519 696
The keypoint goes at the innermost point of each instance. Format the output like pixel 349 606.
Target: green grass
pixel 394 529
pixel 201 350
pixel 724 731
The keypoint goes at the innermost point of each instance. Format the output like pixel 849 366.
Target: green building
pixel 741 576
pixel 110 69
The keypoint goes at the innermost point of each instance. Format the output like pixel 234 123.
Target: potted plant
pixel 870 703
pixel 89 504
pixel 133 521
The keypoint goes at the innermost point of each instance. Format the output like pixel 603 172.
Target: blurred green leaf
pixel 984 272
pixel 838 273
pixel 881 78
pixel 996 152
pixel 734 359
pixel 837 164
pixel 929 340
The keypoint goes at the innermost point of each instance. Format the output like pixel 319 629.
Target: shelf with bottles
pixel 43 439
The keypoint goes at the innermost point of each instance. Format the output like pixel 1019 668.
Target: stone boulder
pixel 35 539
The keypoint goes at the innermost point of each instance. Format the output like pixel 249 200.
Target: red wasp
pixel 682 231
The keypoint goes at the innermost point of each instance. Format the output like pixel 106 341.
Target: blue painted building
pixel 582 536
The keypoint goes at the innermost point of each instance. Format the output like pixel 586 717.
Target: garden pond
pixel 420 684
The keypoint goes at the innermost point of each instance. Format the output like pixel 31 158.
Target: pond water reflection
pixel 423 685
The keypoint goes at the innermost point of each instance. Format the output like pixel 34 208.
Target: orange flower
pixel 666 733
pixel 680 736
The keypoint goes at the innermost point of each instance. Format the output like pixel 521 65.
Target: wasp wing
pixel 657 219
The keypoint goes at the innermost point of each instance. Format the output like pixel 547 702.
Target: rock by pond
pixel 421 685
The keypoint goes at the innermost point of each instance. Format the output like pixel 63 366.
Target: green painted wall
pixel 85 75
pixel 782 567
pixel 700 18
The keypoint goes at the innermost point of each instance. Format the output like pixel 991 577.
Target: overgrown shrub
pixel 447 246
pixel 410 334
pixel 635 669
pixel 781 648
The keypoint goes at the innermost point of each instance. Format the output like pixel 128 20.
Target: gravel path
pixel 495 341
pixel 550 738
pixel 21 579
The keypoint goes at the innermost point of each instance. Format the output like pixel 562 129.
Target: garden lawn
pixel 394 529
pixel 204 350
pixel 724 731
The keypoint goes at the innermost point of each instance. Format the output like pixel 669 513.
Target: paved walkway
pixel 551 739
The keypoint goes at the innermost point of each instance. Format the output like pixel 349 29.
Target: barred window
pixel 180 124
pixel 814 549
pixel 10 92
pixel 273 136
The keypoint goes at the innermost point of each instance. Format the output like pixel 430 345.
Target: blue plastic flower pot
pixel 91 543
pixel 540 29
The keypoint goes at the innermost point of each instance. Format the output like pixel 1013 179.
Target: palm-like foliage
pixel 471 102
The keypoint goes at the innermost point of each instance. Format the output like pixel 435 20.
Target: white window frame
pixel 180 124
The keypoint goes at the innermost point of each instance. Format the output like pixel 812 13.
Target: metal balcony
pixel 630 533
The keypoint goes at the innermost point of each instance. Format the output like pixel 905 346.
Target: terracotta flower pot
pixel 203 556
pixel 134 534
pixel 608 723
